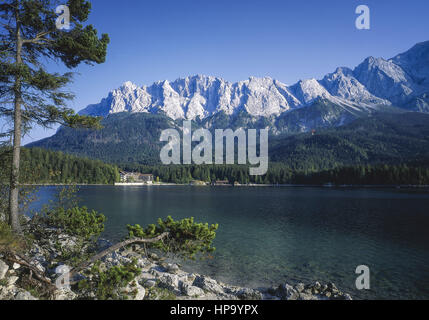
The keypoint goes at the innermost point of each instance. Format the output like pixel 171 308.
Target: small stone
pixel 124 260
pixel 308 291
pixel 169 281
pixel 191 291
pixel 116 255
pixel 149 283
pixel 102 267
pixel 134 290
pixel 300 287
pixel 37 263
pixel 64 294
pixel 287 292
pixel 332 287
pixel 173 268
pixel 141 263
pixel 16 266
pixel 139 291
pixel 249 294
pixel 12 280
pixel 306 296
pixel 191 277
pixel 3 269
pixel 153 256
pixel 208 284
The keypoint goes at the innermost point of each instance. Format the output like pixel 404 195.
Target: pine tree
pixel 29 94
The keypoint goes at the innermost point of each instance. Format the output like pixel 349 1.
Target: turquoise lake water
pixel 269 235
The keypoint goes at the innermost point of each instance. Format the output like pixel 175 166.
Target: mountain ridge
pixel 135 116
pixel 376 81
pixel 380 138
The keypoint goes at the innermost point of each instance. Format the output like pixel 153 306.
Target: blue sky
pixel 235 39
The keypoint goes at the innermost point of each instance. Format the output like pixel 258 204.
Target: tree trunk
pixel 116 247
pixel 14 176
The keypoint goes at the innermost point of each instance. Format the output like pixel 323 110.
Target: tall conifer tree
pixel 31 33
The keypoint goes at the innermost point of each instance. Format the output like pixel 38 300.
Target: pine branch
pixel 116 247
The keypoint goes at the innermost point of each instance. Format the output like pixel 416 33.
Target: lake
pixel 269 235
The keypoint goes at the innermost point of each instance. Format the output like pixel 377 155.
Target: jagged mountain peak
pixel 416 63
pixel 129 85
pixel 307 91
pixel 344 71
pixel 419 51
pixel 376 81
pixel 343 84
pixel 386 80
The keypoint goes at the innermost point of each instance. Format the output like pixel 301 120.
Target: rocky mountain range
pixel 402 81
pixel 376 113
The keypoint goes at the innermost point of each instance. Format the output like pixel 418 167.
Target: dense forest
pixel 391 139
pixel 282 174
pixel 383 138
pixel 384 148
pixel 124 138
pixel 43 166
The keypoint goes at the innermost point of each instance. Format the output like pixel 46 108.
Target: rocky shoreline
pixel 158 279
